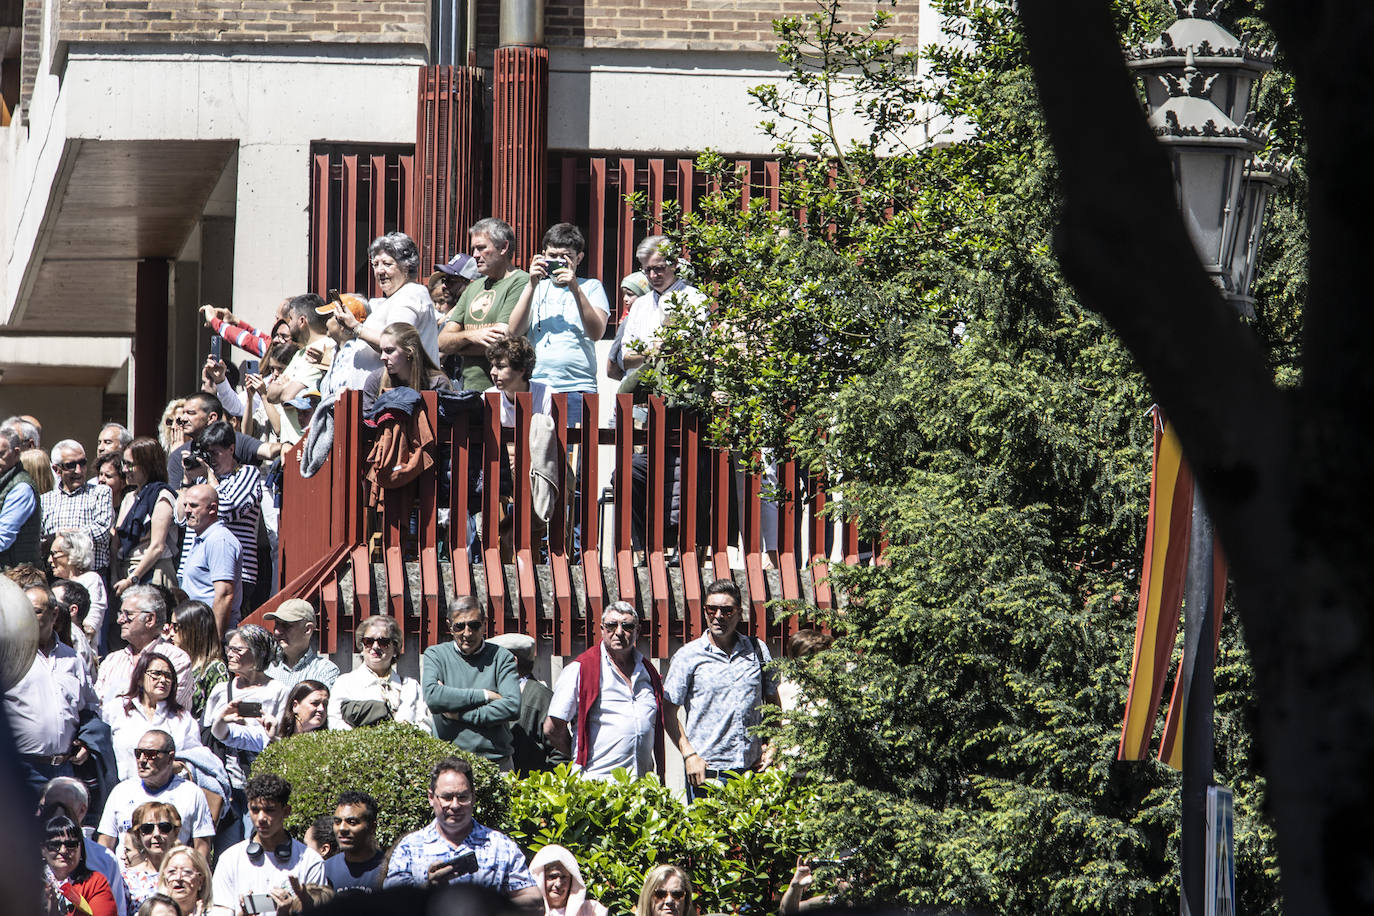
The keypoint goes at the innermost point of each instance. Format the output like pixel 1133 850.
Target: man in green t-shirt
pixel 483 310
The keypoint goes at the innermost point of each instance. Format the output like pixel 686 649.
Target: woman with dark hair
pixel 242 711
pixel 667 891
pixel 306 710
pixel 395 261
pixel 109 470
pixel 145 519
pixel 150 702
pixel 70 883
pixel 159 905
pixel 194 632
pixel 153 831
pixel 405 364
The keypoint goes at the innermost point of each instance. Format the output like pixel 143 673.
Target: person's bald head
pixel 202 507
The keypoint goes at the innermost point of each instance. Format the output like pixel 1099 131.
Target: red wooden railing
pixel 327 529
pixel 356 194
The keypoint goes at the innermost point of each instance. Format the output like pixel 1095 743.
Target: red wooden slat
pixel 568 199
pixel 493 454
pixel 596 224
pixel 656 193
pixel 722 483
pixel 589 458
pixel 659 489
pixel 319 224
pixel 772 178
pixel 751 515
pixel 693 479
pixel 788 548
pixel 686 185
pixel 464 442
pixel 348 224
pixel 559 537
pixel 626 226
pixel 819 567
pixel 428 491
pixel 624 490
pixel 377 205
pixel 526 550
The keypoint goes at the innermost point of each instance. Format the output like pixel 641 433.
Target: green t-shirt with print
pixel 482 304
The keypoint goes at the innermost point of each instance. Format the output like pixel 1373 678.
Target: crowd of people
pixel 149 699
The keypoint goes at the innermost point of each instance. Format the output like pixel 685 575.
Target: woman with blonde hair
pixel 405 364
pixel 667 892
pixel 169 434
pixel 38 465
pixel 152 834
pixel 185 877
pixel 559 880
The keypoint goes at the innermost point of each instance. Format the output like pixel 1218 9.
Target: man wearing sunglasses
pixel 721 681
pixel 614 701
pixel 471 687
pixel 78 503
pixel 157 780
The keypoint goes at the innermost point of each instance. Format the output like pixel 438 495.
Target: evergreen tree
pixel 901 326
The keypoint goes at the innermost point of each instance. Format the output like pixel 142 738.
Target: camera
pixel 553 265
pixel 195 456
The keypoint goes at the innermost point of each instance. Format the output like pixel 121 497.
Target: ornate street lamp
pixel 1199 80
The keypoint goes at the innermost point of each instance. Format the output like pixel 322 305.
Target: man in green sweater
pixel 472 687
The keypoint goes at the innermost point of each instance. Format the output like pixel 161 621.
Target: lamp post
pixel 1199 80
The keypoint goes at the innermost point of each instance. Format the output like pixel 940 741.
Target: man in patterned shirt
pixel 455 849
pixel 78 503
pixel 721 681
pixel 239 487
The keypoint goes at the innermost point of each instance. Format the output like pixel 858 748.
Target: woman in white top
pixel 395 261
pixel 70 557
pixel 150 702
pixel 248 650
pixel 359 695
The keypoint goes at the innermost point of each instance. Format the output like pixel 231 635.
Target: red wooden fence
pixel 327 528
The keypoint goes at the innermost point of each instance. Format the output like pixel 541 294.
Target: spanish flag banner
pixel 1161 589
pixel 1171 743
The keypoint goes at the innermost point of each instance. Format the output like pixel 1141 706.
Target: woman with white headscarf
pixel 560 883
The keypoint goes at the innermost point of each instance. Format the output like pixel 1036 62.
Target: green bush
pixel 391 762
pixel 739 846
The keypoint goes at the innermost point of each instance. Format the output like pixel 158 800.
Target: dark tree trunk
pixel 1285 473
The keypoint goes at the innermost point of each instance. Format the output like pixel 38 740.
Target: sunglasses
pixel 73 465
pixel 378 641
pixel 147 752
pixel 473 625
pixel 662 894
pixel 160 827
pixel 717 610
pixel 627 626
pixel 58 845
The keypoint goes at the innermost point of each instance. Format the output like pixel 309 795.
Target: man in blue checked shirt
pixel 455 849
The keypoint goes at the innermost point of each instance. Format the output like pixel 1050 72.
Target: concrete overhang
pixel 58 361
pixel 112 204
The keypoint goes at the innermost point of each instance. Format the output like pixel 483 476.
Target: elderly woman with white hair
pixel 70 557
pixel 395 261
pixel 374 691
pixel 560 883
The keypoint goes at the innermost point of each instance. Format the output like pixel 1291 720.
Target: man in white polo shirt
pixel 613 701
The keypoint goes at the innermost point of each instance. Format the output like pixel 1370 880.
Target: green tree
pixel 908 303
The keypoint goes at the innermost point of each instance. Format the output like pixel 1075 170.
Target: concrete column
pixel 152 285
pixel 271 256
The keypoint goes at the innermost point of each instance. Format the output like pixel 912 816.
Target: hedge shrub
pixel 390 761
pixel 740 846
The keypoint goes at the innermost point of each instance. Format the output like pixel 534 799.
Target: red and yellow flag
pixel 1171 743
pixel 1161 589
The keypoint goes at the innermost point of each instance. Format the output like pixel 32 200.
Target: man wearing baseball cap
pixel 343 371
pixel 293 623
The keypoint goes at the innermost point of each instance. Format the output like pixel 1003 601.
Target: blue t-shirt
pixel 214 556
pixel 565 357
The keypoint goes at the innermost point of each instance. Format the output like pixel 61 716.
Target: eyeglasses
pixel 235 650
pixel 462 625
pixel 663 894
pixel 159 674
pixel 627 626
pixel 57 554
pixel 126 616
pixel 73 465
pixel 659 268
pixel 180 873
pixel 58 845
pixel 380 642
pixel 147 752
pixel 160 827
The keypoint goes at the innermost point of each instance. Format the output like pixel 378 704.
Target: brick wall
pixel 31 43
pixel 350 21
pixel 721 25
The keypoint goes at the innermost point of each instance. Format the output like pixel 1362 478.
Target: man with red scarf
pixel 613 699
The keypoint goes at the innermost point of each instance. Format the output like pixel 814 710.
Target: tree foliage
pixel 900 325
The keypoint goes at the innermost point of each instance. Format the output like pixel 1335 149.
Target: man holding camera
pixel 200 410
pixel 239 490
pixel 455 849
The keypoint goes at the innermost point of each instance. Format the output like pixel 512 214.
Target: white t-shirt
pixel 237 873
pixel 540 400
pixel 181 794
pixel 620 723
pixel 409 305
pixel 565 357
